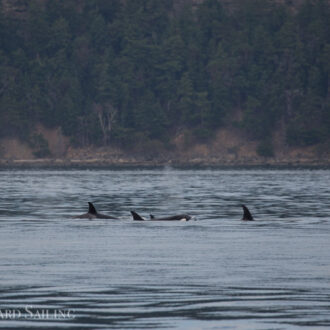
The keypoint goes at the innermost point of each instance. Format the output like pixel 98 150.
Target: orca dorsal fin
pixel 91 208
pixel 246 215
pixel 152 216
pixel 136 216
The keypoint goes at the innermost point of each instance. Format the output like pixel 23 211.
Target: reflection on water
pixel 214 272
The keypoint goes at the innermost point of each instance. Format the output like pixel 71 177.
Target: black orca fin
pixel 91 208
pixel 136 216
pixel 152 216
pixel 246 215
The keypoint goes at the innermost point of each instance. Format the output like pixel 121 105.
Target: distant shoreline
pixel 194 163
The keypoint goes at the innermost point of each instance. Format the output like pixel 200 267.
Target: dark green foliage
pixel 39 145
pixel 304 137
pixel 136 72
pixel 202 134
pixel 265 149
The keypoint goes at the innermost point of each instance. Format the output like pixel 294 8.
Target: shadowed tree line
pixel 137 71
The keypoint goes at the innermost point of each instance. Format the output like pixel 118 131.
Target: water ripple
pixel 212 272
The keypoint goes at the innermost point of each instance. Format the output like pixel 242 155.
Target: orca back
pixel 178 217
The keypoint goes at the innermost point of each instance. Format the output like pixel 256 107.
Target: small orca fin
pixel 246 213
pixel 136 216
pixel 152 216
pixel 91 208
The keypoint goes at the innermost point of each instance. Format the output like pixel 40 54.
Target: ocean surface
pixel 213 272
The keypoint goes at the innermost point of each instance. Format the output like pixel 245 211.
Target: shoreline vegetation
pixel 229 148
pixel 165 82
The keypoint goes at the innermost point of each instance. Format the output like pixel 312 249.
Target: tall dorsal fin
pixel 91 208
pixel 246 215
pixel 136 216
pixel 152 216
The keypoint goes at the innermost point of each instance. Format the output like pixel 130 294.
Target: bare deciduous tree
pixel 106 114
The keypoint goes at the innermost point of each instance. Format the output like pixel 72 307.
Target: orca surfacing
pixel 93 214
pixel 247 216
pixel 178 217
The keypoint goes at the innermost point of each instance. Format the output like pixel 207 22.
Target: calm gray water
pixel 213 272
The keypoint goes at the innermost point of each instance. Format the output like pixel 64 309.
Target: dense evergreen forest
pixel 118 72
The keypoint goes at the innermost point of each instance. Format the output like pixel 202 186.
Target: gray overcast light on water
pixel 215 271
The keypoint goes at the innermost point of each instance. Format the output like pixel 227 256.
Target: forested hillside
pixel 121 72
